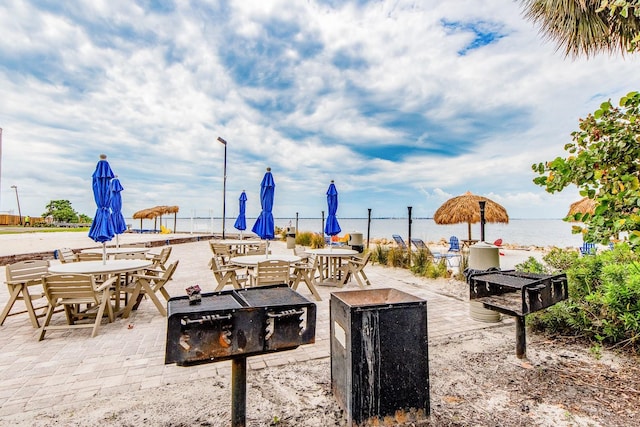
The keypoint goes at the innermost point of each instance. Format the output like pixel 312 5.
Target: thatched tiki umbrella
pixel 466 208
pixel 580 208
pixel 157 211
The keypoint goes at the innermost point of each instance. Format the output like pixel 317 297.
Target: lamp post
pixel 224 185
pixel 15 187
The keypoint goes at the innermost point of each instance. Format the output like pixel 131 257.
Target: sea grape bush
pixel 604 298
pixel 603 164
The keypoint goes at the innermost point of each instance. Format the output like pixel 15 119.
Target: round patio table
pixel 97 268
pixel 116 251
pixel 327 263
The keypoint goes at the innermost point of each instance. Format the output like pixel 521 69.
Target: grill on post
pixel 517 294
pixel 237 324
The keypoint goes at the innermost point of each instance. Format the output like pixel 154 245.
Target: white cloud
pixel 155 90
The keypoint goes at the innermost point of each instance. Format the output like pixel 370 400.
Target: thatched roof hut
pixel 582 206
pixel 465 208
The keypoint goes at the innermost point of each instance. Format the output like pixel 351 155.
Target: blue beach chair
pixel 399 241
pixel 588 249
pixel 454 244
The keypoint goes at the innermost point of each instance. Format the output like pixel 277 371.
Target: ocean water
pixel 523 232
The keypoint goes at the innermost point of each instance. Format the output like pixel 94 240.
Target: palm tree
pixel 587 26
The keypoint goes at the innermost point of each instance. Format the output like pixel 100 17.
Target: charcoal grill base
pixel 517 294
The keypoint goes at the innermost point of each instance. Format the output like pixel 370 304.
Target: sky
pixel 401 103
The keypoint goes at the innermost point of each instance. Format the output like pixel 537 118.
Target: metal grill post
pixel 238 391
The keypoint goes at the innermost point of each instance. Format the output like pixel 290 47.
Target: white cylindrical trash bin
pixel 483 256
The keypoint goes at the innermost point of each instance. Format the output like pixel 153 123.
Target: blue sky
pixel 401 103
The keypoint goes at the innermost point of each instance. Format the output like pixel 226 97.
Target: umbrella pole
pixel 267 250
pixel 104 253
pixel 117 240
pixel 469 225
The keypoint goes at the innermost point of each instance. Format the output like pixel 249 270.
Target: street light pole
pixel 15 187
pixel 224 185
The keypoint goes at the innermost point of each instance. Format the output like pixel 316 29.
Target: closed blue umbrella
pixel 332 227
pixel 241 221
pixel 264 226
pixel 102 227
pixel 115 201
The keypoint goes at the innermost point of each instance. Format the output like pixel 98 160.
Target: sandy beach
pixel 119 378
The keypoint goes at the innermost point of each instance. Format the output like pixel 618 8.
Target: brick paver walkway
pixel 129 354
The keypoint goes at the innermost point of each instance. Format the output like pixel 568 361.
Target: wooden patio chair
pixel 222 251
pixel 24 280
pixel 66 255
pixel 160 259
pixel 303 272
pixel 89 257
pixel 259 249
pixel 71 291
pixel 149 284
pixel 271 272
pixel 226 275
pixel 355 268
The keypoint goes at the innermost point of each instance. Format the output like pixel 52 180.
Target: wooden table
pixel 108 267
pixel 327 263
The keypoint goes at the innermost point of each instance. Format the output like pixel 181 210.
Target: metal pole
pixel 409 243
pixel 368 227
pixel 238 391
pixel 0 167
pixel 18 200
pixel 482 204
pixel 521 338
pixel 224 186
pixel 297 229
pixel 322 228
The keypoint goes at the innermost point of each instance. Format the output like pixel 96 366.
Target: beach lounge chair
pixel 419 244
pixel 399 241
pixel 588 248
pixel 71 291
pixel 21 277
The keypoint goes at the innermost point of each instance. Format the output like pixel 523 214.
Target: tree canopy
pixel 588 26
pixel 61 211
pixel 604 163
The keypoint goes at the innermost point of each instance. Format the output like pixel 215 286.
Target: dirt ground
pixel 475 380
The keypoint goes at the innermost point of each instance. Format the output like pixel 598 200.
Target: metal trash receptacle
pixel 483 256
pixel 291 237
pixel 355 241
pixel 379 355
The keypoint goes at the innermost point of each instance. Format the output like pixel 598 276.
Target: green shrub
pixel 531 265
pixel 304 238
pixel 380 255
pixel 397 257
pixel 317 241
pixel 604 299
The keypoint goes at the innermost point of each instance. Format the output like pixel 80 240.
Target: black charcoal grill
pixel 517 294
pixel 237 324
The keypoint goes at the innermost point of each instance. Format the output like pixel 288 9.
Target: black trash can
pixel 379 355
